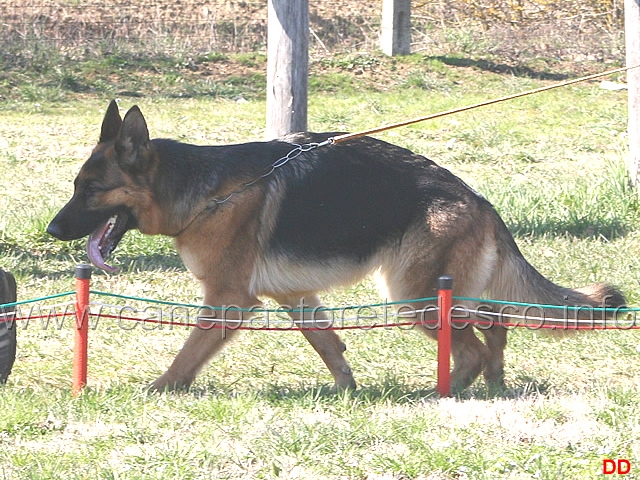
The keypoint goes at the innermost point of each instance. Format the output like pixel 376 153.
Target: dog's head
pixel 106 201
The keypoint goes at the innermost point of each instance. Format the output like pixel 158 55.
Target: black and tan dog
pixel 329 217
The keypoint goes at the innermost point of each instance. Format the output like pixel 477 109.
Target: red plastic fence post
pixel 80 345
pixel 445 290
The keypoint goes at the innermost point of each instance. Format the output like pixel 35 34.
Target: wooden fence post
pixel 632 36
pixel 287 66
pixel 395 37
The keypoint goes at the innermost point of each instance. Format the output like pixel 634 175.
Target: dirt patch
pixel 589 30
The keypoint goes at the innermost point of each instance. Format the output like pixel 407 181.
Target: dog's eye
pixel 90 189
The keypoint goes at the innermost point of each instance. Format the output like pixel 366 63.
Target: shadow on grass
pixel 609 229
pixel 501 68
pixel 523 387
pixel 389 390
pixel 304 394
pixel 55 265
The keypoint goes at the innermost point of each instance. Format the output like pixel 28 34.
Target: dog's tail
pixel 516 280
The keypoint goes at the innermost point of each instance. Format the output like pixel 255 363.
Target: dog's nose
pixel 54 230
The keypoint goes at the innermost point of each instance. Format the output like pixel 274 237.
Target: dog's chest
pixel 192 260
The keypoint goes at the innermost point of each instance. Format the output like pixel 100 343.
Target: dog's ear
pixel 132 143
pixel 111 123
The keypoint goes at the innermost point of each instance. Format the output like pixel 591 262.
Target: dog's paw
pixel 347 386
pixel 164 384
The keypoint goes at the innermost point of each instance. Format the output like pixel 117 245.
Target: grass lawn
pixel 552 164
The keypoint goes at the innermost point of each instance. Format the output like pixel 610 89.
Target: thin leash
pixel 299 149
pixel 352 136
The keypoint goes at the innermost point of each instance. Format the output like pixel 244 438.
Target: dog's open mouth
pixel 104 240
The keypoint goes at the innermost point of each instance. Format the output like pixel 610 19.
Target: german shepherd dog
pixel 326 218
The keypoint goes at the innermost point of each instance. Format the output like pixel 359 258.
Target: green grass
pixel 553 165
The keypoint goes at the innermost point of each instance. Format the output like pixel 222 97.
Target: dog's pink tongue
pixel 93 247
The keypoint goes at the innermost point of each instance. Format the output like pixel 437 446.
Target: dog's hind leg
pixel 468 352
pixel 470 270
pixel 326 342
pixel 414 274
pixel 495 338
pixel 469 355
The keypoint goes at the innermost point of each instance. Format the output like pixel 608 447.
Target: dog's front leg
pixel 216 327
pixel 314 326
